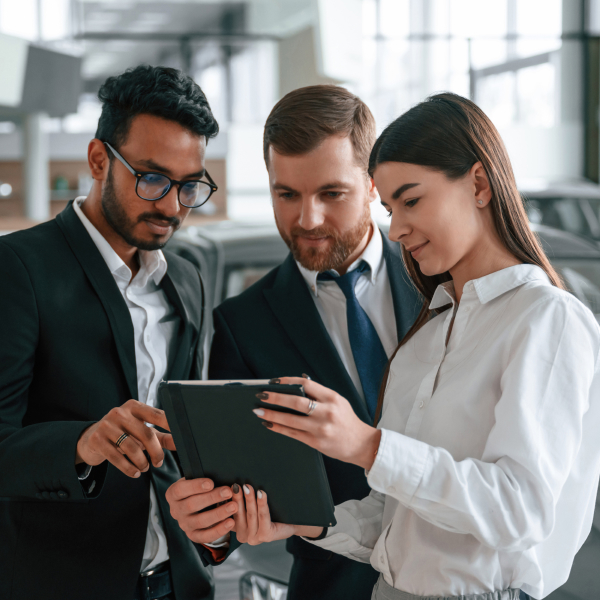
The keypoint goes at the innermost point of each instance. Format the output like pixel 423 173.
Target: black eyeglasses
pixel 154 186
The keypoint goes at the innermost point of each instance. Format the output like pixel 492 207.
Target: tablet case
pixel 218 436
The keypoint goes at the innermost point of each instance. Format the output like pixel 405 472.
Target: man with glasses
pixel 94 316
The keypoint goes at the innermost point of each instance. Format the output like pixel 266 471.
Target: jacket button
pixel 45 495
pixel 38 496
pixel 63 495
pixel 53 496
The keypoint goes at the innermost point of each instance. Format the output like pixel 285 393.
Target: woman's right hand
pixel 253 523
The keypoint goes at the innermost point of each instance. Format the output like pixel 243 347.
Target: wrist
pixel 368 449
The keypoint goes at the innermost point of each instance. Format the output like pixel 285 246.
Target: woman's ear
pixel 483 190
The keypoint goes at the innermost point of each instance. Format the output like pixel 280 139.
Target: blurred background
pixel 533 66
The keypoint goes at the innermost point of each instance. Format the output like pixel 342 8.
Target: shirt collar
pixel 152 262
pixel 372 255
pixel 491 286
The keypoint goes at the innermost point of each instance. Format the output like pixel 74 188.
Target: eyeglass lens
pixel 153 186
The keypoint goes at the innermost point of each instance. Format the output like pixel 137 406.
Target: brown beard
pixel 317 259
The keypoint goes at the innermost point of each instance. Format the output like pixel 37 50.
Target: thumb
pixel 166 441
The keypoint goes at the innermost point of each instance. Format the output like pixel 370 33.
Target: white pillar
pixel 36 158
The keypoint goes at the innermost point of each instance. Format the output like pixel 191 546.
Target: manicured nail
pixel 275 380
pixel 262 396
pixel 259 412
pixel 246 489
pixel 207 485
pixel 259 494
pixel 137 474
pixel 305 376
pixel 236 488
pixel 160 464
pixel 267 424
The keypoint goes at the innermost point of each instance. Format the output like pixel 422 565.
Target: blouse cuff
pixel 399 466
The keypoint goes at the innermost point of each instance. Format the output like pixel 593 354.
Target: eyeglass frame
pixel 139 174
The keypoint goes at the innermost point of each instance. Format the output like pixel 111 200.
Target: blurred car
pixel 232 256
pixel 572 206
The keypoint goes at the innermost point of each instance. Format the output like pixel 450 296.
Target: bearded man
pixel 334 310
pixel 94 315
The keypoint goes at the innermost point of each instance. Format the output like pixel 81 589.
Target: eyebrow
pixel 402 189
pixel 150 164
pixel 328 186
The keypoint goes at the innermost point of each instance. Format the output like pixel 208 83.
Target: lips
pixel 158 228
pixel 416 249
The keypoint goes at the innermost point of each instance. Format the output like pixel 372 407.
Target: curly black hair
pixel 160 91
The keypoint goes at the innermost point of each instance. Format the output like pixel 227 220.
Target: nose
pixel 169 205
pixel 399 227
pixel 311 213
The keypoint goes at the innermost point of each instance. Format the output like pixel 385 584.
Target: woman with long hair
pixel 484 464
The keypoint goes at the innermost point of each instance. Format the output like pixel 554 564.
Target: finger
pixel 198 502
pixel 311 388
pixel 241 525
pixel 209 518
pixel 166 441
pixel 115 458
pixel 296 434
pixel 134 453
pixel 265 525
pixel 148 437
pixel 308 424
pixel 251 514
pixel 189 487
pixel 150 414
pixel 298 403
pixel 207 536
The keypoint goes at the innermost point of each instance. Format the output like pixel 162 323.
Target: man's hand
pixel 187 497
pixel 97 442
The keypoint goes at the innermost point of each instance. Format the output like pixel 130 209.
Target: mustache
pixel 318 232
pixel 159 218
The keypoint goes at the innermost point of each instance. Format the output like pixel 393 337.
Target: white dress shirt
pixel 155 323
pixel 487 470
pixel 373 293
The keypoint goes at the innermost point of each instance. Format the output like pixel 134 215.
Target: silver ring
pixel 312 404
pixel 123 437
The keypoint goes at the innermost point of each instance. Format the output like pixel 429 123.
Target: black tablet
pixel 218 436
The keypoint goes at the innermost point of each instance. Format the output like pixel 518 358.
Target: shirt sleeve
pixel 507 499
pixel 357 529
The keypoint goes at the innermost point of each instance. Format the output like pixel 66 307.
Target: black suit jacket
pixel 274 329
pixel 67 357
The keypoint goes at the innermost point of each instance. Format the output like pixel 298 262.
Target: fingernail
pixel 231 507
pixel 259 412
pixel 229 524
pixel 246 489
pixel 236 488
pixel 160 464
pixel 259 494
pixel 145 468
pixel 206 485
pixel 267 424
pixel 275 380
pixel 137 474
pixel 305 376
pixel 226 493
pixel 262 396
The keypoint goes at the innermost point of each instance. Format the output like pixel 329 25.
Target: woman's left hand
pixel 333 427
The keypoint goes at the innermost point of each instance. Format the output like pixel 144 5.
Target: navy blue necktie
pixel 369 356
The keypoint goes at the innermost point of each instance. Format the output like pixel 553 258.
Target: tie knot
pixel 348 281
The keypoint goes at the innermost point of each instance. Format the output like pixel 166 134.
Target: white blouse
pixel 487 471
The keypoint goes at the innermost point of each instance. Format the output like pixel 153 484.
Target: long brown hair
pixel 450 134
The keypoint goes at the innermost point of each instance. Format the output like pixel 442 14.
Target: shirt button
pixel 155 519
pixel 421 404
pixel 382 560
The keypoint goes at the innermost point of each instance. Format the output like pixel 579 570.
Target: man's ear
pixel 98 160
pixel 373 193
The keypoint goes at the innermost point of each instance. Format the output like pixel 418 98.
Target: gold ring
pixel 123 437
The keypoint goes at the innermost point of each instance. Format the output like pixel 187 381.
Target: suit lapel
pixel 294 308
pixel 108 292
pixel 406 298
pixel 180 294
